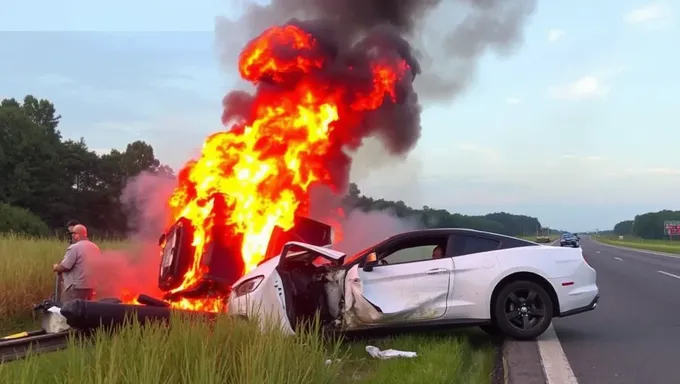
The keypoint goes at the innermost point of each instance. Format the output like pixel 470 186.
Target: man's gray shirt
pixel 77 259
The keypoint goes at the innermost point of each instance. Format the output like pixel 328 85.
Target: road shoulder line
pixel 556 367
pixel 523 362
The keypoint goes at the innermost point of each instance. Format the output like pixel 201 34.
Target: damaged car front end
pixel 346 293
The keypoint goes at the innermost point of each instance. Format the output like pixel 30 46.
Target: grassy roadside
pixel 666 246
pixel 230 351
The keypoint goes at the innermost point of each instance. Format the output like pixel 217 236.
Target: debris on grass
pixel 388 353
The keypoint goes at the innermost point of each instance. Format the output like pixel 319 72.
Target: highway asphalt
pixel 633 336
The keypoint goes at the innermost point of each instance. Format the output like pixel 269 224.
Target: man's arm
pixel 67 262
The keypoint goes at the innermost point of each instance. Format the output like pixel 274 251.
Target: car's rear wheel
pixel 523 310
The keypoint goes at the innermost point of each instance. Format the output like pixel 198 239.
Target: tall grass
pixel 192 350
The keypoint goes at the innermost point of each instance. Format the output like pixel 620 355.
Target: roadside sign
pixel 672 227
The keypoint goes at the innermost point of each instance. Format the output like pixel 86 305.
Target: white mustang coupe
pixel 426 277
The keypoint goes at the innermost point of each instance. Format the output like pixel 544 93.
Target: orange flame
pixel 265 168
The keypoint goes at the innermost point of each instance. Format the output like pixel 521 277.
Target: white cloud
pixel 653 171
pixel 587 87
pixel 655 16
pixel 513 100
pixel 55 79
pixel 555 34
pixel 487 152
pixel 645 14
pixel 573 157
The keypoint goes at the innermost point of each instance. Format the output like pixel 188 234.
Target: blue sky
pixel 578 127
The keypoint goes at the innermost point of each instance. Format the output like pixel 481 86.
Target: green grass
pixel 667 246
pixel 443 357
pixel 228 351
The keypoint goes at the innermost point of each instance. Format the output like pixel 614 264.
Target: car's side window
pixel 467 245
pixel 407 255
pixel 414 250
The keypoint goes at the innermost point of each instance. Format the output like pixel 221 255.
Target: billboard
pixel 672 227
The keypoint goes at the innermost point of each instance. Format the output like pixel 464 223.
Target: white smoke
pixel 362 229
pixel 128 272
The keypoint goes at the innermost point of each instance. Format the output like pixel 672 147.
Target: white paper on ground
pixel 57 320
pixel 388 353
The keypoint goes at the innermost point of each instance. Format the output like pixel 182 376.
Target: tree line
pixel 648 225
pixel 46 180
pixel 500 222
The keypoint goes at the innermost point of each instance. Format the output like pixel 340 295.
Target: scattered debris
pixel 388 353
pixel 57 321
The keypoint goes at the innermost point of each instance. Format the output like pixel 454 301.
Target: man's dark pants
pixel 76 293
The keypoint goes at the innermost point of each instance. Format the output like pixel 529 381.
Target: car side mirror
pixel 370 261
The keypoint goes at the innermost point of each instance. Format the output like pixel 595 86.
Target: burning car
pixel 483 279
pixel 220 265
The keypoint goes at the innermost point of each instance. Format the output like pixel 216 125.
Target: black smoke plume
pixel 442 41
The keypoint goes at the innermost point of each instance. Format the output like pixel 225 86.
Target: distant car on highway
pixel 543 239
pixel 567 239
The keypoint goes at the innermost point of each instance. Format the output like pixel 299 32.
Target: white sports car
pixel 424 277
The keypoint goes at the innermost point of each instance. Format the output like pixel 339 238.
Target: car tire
pixel 522 310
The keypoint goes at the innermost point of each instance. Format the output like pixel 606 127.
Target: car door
pixel 475 265
pixel 410 290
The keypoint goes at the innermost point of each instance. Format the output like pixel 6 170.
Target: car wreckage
pixel 500 283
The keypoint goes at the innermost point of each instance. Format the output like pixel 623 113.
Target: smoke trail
pixel 450 36
pixel 126 273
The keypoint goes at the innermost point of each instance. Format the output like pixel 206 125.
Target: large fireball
pixel 311 103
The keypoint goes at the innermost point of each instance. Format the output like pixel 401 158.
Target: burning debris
pixel 316 97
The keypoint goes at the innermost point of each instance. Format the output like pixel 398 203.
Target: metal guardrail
pixel 22 344
pixel 20 348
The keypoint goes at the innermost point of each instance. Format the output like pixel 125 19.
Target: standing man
pixel 75 267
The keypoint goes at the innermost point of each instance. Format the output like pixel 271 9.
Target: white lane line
pixel 555 364
pixel 669 274
pixel 618 258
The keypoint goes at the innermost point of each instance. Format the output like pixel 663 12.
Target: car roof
pixel 456 231
pixel 506 241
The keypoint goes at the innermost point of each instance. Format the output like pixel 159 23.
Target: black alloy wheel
pixel 523 310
